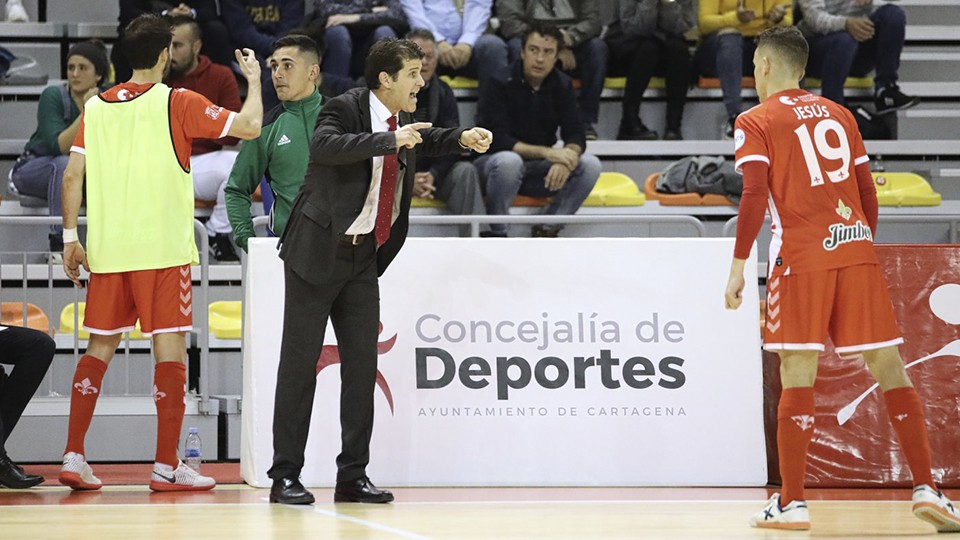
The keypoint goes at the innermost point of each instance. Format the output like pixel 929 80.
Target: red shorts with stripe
pixel 852 304
pixel 162 300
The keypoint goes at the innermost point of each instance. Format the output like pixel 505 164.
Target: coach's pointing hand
pixel 409 135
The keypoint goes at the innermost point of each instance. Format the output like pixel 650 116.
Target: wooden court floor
pixel 236 511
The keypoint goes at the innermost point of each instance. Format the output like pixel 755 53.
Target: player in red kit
pixel 802 157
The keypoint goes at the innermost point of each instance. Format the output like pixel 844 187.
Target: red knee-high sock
pixel 169 380
pixel 795 422
pixel 906 415
pixel 87 380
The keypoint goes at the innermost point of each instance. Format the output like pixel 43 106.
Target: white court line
pixel 638 501
pixel 370 524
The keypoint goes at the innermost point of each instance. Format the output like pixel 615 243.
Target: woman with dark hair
pixel 39 170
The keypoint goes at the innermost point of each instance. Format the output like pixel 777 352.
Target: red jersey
pixel 192 116
pixel 812 146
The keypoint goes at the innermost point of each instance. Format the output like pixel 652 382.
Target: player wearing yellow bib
pixel 134 147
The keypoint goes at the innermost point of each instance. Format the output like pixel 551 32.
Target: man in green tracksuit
pixel 283 148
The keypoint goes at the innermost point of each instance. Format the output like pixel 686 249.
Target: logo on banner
pixel 548 355
pixel 804 421
pixel 330 355
pixel 945 305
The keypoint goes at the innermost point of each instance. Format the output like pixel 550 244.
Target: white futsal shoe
pixel 16 12
pixel 794 516
pixel 183 478
pixel 77 474
pixel 936 509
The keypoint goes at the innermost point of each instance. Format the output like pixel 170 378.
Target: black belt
pixel 354 239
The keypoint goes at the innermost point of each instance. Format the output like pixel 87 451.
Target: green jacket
pixel 281 153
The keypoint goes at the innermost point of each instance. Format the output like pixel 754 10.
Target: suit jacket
pixel 338 180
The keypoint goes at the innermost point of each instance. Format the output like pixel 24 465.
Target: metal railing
pixel 55 271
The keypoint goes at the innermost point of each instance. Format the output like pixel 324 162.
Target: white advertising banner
pixel 535 363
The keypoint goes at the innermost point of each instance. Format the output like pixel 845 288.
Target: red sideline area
pixel 126 474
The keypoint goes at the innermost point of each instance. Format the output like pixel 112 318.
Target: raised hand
pixel 249 65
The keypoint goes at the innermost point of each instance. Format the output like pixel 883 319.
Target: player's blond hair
pixel 788 44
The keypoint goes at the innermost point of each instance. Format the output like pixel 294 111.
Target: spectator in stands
pixel 728 28
pixel 447 178
pixel 216 38
pixel 30 352
pixel 210 163
pixel 463 47
pixel 282 150
pixel 15 12
pixel 851 38
pixel 524 113
pixel 582 52
pixel 349 28
pixel 39 170
pixel 257 24
pixel 647 39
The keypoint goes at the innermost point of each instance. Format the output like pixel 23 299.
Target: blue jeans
pixel 728 57
pixel 42 177
pixel 505 174
pixel 341 57
pixel 591 70
pixel 488 62
pixel 836 56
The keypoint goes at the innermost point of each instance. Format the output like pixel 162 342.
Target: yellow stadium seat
pixel 417 202
pixel 615 189
pixel 851 82
pixel 619 83
pixel 12 315
pixel 904 189
pixel 225 319
pixel 66 322
pixel 460 83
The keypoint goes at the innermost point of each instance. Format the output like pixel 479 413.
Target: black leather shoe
pixel 361 490
pixel 12 476
pixel 290 491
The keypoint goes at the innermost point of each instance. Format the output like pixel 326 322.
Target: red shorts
pixel 851 303
pixel 161 299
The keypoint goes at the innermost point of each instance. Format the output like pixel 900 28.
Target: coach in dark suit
pixel 347 223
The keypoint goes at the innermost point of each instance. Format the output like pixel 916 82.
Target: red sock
pixel 795 423
pixel 906 415
pixel 169 380
pixel 87 380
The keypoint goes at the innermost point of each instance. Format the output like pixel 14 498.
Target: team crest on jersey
pixel 739 137
pixel 213 112
pixel 843 210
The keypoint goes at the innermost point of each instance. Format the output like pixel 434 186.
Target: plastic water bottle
pixel 192 450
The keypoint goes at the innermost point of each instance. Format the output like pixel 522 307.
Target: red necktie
pixel 388 185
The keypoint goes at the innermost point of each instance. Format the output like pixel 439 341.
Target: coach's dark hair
pixel 545 30
pixel 421 33
pixel 388 55
pixel 789 44
pixel 185 20
pixel 303 43
pixel 144 39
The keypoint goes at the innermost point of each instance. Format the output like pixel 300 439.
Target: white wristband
pixel 70 235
